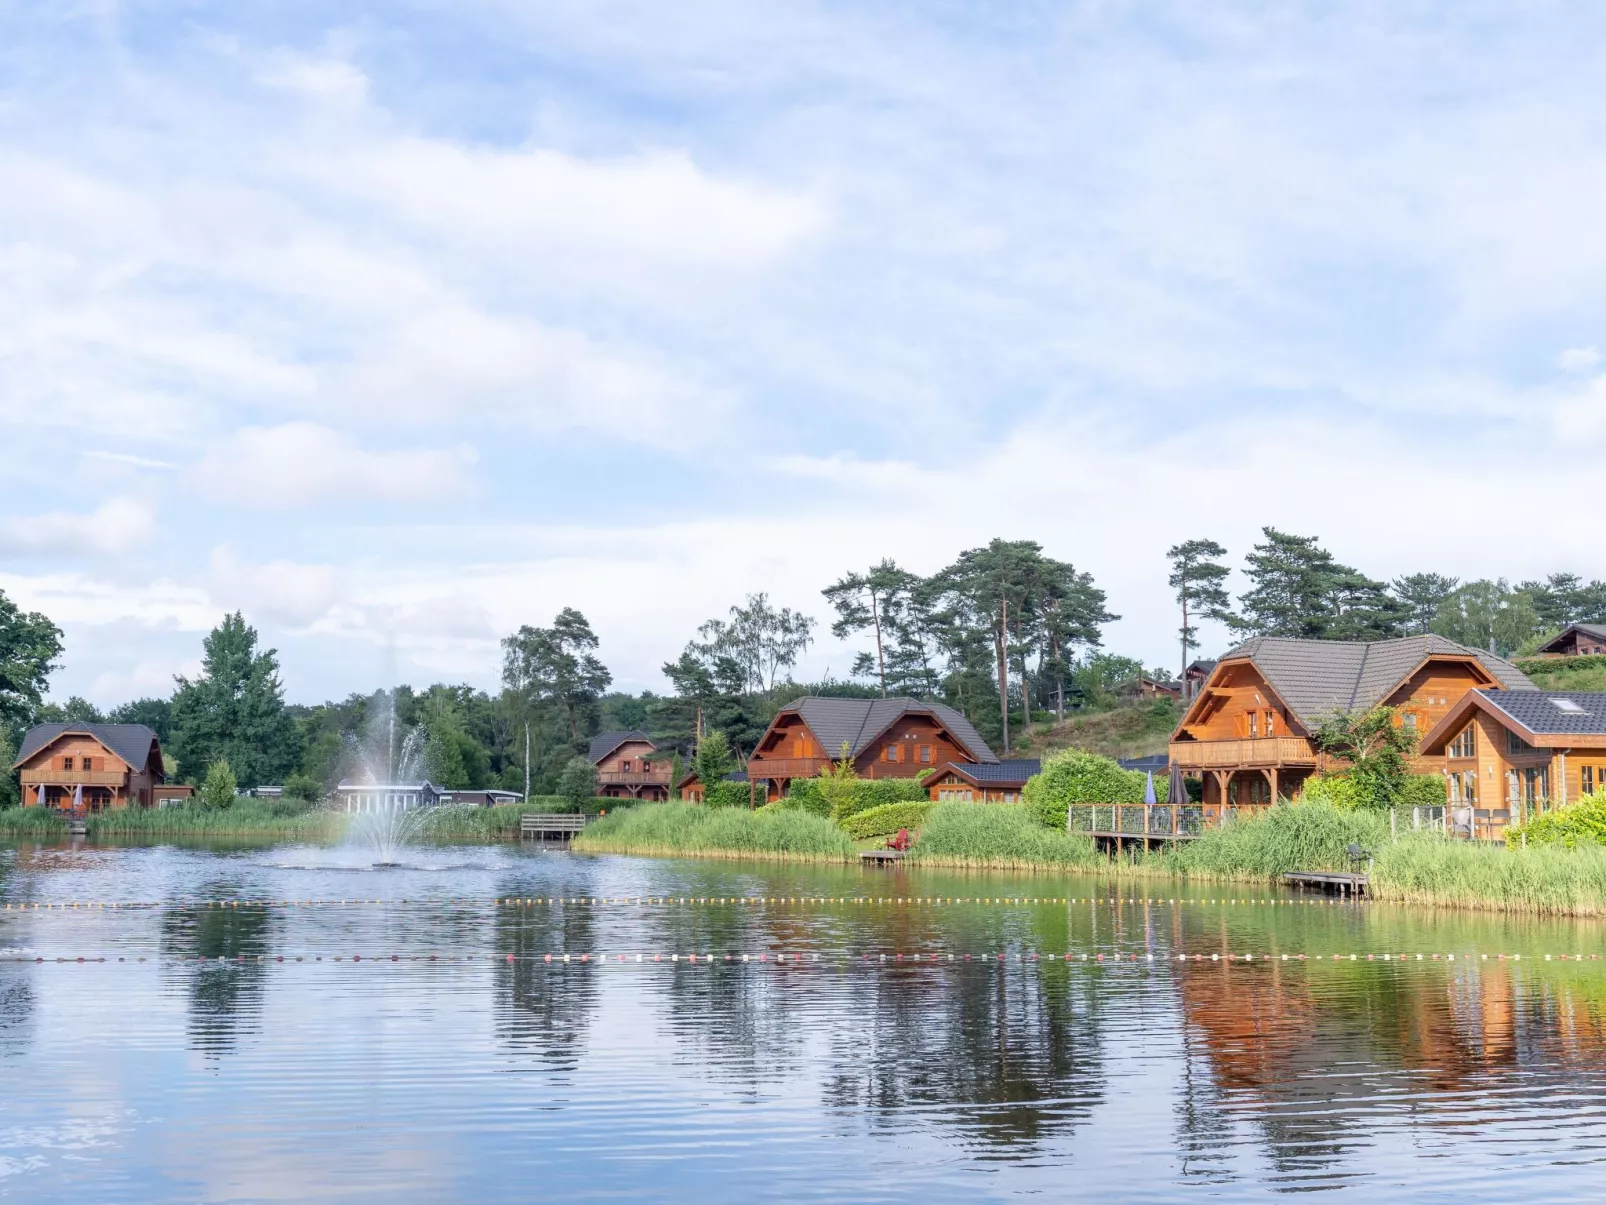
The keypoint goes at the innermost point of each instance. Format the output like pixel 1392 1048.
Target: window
pixel 894 753
pixel 925 754
pixel 1465 743
pixel 66 763
pixel 1409 720
pixel 1586 779
pixel 1254 724
pixel 1515 744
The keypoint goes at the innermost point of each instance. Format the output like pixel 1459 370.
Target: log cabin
pixel 1578 640
pixel 1249 733
pixel 884 738
pixel 627 767
pixel 982 782
pixel 90 767
pixel 1509 756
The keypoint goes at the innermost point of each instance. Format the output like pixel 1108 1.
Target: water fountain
pixel 379 760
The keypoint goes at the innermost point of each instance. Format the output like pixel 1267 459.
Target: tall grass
pixel 244 818
pixel 1301 836
pixel 999 836
pixel 1425 868
pixel 31 822
pixel 687 830
pixel 474 823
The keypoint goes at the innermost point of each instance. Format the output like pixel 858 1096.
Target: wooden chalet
pixel 884 738
pixel 1248 734
pixel 1195 676
pixel 626 767
pixel 1579 640
pixel 1145 687
pixel 1511 755
pixel 982 782
pixel 90 767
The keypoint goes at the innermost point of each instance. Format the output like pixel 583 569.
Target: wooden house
pixel 627 768
pixel 1511 755
pixel 982 782
pixel 1579 640
pixel 1145 687
pixel 1195 676
pixel 90 767
pixel 1248 734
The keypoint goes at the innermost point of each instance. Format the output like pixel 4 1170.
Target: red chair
pixel 901 841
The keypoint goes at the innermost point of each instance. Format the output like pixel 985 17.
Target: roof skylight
pixel 1568 706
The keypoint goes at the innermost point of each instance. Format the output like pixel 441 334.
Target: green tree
pixel 29 647
pixel 578 783
pixel 217 791
pixel 1376 749
pixel 1198 579
pixel 871 600
pixel 75 710
pixel 752 646
pixel 10 784
pixel 557 665
pixel 713 759
pixel 1489 615
pixel 1299 590
pixel 155 714
pixel 235 710
pixel 303 787
pixel 1423 594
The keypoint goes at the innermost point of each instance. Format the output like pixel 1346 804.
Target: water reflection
pixel 226 989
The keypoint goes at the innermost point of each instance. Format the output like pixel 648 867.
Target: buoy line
pixel 667 901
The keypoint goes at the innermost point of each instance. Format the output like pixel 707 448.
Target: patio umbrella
pixel 1148 788
pixel 1177 792
pixel 41 794
pixel 78 798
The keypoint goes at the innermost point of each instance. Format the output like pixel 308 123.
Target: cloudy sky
pixel 398 325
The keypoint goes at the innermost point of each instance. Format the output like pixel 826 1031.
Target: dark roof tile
pixel 1552 712
pixel 606 742
pixel 857 722
pixel 131 742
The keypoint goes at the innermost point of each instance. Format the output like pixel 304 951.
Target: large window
pixel 1515 744
pixel 1465 743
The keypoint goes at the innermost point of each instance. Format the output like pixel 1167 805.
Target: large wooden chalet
pixel 627 767
pixel 1248 733
pixel 90 767
pixel 884 738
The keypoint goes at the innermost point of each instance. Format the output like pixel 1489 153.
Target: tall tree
pixel 557 665
pixel 155 714
pixel 1070 613
pixel 1423 594
pixel 1299 590
pixel 29 647
pixel 753 645
pixel 870 600
pixel 1198 579
pixel 1489 615
pixel 235 710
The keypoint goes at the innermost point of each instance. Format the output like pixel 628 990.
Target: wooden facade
pixel 90 767
pixel 981 782
pixel 627 767
pixel 1252 745
pixel 1578 640
pixel 913 746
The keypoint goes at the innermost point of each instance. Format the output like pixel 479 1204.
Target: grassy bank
pixel 999 836
pixel 1135 729
pixel 31 822
pixel 499 823
pixel 246 818
pixel 671 829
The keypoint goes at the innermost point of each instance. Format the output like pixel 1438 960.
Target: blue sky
pixel 396 326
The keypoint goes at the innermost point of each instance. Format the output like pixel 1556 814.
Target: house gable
pixel 1236 701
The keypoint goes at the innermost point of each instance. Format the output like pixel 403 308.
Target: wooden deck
pixel 559 825
pixel 1108 841
pixel 879 857
pixel 1343 882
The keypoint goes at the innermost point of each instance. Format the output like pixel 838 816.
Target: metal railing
pixel 1137 819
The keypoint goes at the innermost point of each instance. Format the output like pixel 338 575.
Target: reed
pixel 31 822
pixel 1425 868
pixel 1001 836
pixel 245 818
pixel 1301 836
pixel 671 829
pixel 498 823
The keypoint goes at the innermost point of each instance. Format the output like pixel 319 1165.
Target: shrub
pixel 884 820
pixel 1000 835
pixel 217 791
pixel 723 793
pixel 303 787
pixel 804 795
pixel 1581 823
pixel 1077 777
pixel 1424 791
pixel 853 796
pixel 578 782
pixel 1334 790
pixel 1347 792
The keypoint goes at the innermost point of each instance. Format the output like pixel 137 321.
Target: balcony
pixel 657 775
pixel 786 767
pixel 74 778
pixel 1262 751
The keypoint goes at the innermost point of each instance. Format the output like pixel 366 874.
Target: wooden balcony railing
pixel 658 775
pixel 786 767
pixel 74 778
pixel 1250 751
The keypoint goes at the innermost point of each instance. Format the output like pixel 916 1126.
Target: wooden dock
pixel 1108 841
pixel 1343 882
pixel 559 825
pixel 880 857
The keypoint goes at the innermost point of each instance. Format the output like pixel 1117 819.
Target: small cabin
pixel 982 782
pixel 1578 640
pixel 630 766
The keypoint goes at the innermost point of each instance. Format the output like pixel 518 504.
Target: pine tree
pixel 235 710
pixel 1198 579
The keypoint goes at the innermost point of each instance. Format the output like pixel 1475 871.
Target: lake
pixel 892 1035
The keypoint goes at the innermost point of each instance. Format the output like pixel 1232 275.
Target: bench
pixel 562 825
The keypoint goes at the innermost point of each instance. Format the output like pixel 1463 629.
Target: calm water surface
pixel 156 1076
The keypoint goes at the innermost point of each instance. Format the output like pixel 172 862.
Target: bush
pixel 1077 777
pixel 303 787
pixel 1581 823
pixel 727 794
pixel 1424 791
pixel 578 783
pixel 805 795
pixel 1332 790
pixel 884 820
pixel 999 835
pixel 217 792
pixel 1346 792
pixel 813 795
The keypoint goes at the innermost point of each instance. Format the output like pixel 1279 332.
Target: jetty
pixel 558 826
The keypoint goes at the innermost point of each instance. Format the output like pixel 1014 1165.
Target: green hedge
pixel 806 795
pixel 1342 791
pixel 1073 776
pixel 1581 823
pixel 886 819
pixel 727 794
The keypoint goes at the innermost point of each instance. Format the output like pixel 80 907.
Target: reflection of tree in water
pixel 224 996
pixel 547 1008
pixel 1010 1053
pixel 16 1013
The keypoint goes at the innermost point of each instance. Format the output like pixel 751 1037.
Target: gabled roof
pixel 1315 678
pixel 607 742
pixel 1593 630
pixel 1545 718
pixel 1011 773
pixel 131 742
pixel 858 722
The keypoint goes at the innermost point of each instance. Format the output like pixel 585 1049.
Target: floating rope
pixel 671 901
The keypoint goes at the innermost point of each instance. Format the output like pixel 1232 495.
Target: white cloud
pixel 117 526
pixel 322 79
pixel 304 464
pixel 1578 359
pixel 281 593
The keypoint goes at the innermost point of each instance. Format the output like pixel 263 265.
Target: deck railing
pixel 74 778
pixel 1137 819
pixel 632 778
pixel 1249 751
